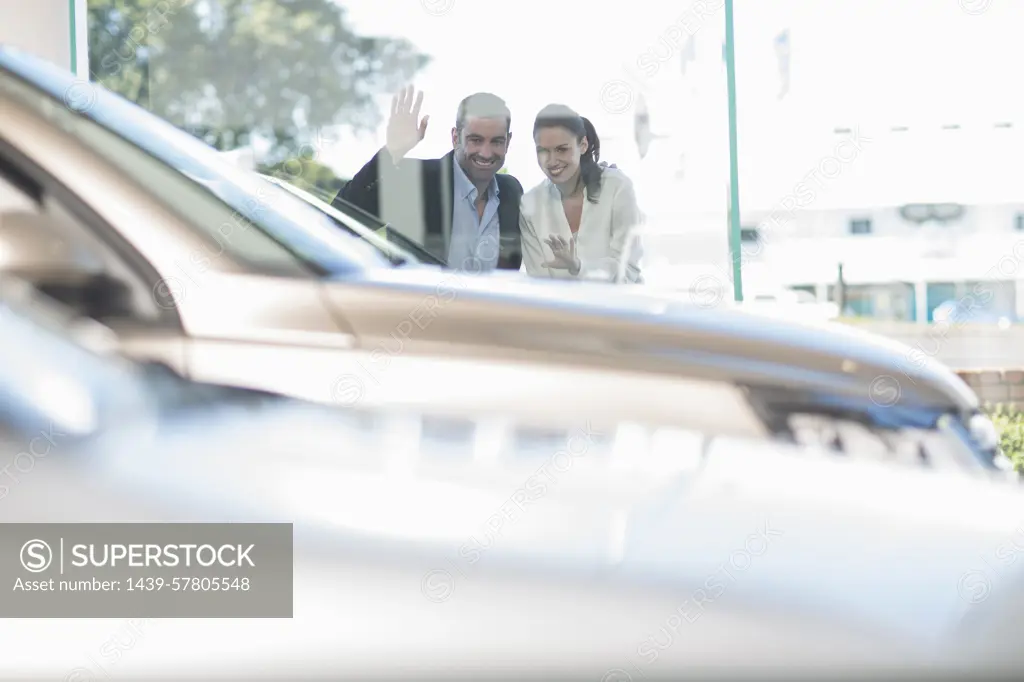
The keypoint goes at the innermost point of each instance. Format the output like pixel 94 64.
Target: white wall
pixel 43 27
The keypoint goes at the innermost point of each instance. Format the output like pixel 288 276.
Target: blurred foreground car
pixel 229 279
pixel 420 558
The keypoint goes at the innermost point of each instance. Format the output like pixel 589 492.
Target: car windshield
pixel 357 229
pixel 382 236
pixel 137 141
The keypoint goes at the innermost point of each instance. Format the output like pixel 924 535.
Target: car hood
pixel 888 371
pixel 743 533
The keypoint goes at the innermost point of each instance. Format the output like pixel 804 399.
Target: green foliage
pixel 226 70
pixel 1009 421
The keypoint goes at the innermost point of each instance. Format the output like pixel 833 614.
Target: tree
pixel 231 71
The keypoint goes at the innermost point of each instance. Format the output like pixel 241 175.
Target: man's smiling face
pixel 480 147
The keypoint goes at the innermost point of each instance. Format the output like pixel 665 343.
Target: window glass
pixel 861 141
pixel 256 222
pixel 304 92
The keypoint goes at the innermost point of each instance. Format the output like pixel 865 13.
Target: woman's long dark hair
pixel 561 116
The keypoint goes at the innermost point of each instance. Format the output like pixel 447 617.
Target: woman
pixel 578 223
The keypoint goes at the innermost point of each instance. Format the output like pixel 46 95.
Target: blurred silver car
pixel 228 279
pixel 588 557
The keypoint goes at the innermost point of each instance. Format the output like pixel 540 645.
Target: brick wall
pixel 996 385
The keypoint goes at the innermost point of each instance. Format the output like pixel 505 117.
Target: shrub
pixel 1009 421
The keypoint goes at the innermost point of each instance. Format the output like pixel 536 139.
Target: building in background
pixel 900 167
pixel 927 218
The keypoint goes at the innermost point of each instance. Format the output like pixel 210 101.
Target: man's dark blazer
pixel 437 177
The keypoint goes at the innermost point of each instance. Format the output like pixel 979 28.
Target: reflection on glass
pixel 647 90
pixel 897 165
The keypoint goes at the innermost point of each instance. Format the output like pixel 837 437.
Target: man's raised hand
pixel 405 128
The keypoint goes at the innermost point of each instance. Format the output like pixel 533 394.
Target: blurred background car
pixel 788 303
pixel 959 311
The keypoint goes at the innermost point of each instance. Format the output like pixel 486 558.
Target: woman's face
pixel 558 153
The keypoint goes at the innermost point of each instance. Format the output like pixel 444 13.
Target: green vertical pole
pixel 734 180
pixel 73 21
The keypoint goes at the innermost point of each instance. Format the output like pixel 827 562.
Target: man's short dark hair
pixel 483 105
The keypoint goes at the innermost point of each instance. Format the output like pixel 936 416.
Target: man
pixel 469 213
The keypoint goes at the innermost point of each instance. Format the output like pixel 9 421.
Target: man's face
pixel 481 146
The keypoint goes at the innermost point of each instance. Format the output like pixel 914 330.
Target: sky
pixel 865 64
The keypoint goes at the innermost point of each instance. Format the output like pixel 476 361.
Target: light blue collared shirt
pixel 474 240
